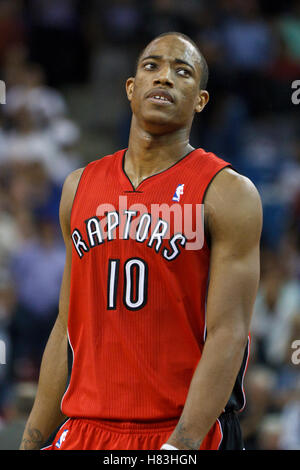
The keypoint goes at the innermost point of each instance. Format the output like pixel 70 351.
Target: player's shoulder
pixel 68 194
pixel 73 178
pixel 233 186
pixel 232 200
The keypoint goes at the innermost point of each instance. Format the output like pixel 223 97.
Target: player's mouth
pixel 160 96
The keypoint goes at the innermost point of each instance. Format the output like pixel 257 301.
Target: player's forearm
pixel 210 388
pixel 46 414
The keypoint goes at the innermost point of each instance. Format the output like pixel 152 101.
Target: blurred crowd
pixel 64 63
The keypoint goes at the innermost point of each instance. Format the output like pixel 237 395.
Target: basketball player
pixel 157 322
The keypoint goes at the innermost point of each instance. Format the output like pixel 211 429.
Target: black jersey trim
pixel 135 190
pixel 70 363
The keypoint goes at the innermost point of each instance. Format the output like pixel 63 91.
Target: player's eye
pixel 183 72
pixel 149 66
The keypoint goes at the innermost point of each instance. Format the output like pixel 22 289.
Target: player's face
pixel 165 92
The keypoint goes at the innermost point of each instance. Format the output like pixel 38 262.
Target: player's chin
pixel 161 127
pixel 161 119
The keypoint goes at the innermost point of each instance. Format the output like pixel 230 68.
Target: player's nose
pixel 164 77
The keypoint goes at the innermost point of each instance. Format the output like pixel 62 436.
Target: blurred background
pixel 65 63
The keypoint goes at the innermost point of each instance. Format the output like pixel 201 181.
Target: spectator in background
pixel 37 150
pixel 289 26
pixel 269 432
pixel 248 46
pixel 42 102
pixel 287 391
pixel 9 232
pixel 37 272
pixel 283 68
pixel 259 383
pixel 277 304
pixel 17 409
pixel 33 192
pixel 25 142
pixel 289 179
pixel 248 39
pixel 65 135
pixel 280 74
pixel 290 435
pixel 7 303
pixel 39 130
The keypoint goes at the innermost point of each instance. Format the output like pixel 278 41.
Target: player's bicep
pixel 235 227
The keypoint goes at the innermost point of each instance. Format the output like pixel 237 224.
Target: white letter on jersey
pixel 158 235
pixel 78 242
pixel 166 254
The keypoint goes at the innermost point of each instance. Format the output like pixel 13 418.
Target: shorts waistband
pixel 128 427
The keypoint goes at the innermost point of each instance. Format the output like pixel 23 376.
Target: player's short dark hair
pixel 204 66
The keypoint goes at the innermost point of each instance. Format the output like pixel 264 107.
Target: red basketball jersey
pixel 139 279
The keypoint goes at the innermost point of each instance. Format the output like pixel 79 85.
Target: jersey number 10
pixel 135 289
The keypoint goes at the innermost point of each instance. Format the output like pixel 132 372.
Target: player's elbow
pixel 240 338
pixel 232 338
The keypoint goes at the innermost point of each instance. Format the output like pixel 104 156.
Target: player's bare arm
pixel 234 218
pixel 46 414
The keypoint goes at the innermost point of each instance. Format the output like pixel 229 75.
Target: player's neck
pixel 149 154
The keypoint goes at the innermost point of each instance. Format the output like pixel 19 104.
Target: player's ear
pixel 129 87
pixel 202 100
